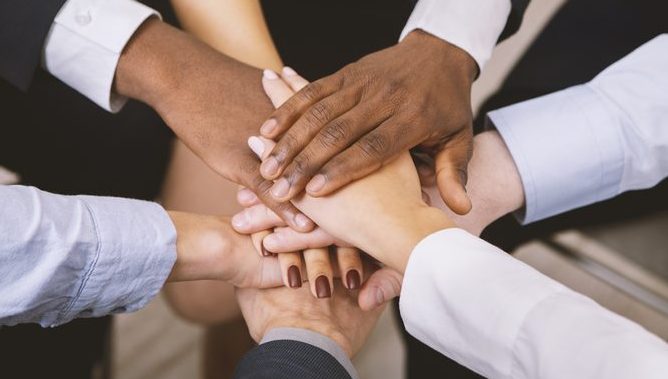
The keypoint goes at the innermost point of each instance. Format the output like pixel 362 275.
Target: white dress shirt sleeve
pixel 86 41
pixel 501 318
pixel 65 257
pixel 594 141
pixel 472 25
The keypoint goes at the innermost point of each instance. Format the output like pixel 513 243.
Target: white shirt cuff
pixel 472 25
pixel 86 41
pixel 131 263
pixel 479 294
pixel 567 149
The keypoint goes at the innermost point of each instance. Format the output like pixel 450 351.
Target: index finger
pixel 290 111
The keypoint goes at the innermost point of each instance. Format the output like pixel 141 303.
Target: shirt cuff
pixel 86 41
pixel 472 25
pixel 468 299
pixel 315 339
pixel 131 263
pixel 562 166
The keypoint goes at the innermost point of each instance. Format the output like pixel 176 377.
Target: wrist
pixel 394 246
pixel 314 325
pixel 452 56
pixel 495 186
pixel 202 248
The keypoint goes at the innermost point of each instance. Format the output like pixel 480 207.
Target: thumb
pixel 381 287
pixel 451 172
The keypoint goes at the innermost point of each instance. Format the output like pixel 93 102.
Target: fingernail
pixel 380 299
pixel 271 241
pixel 270 74
pixel 302 221
pixel 269 167
pixel 322 289
pixel 268 127
pixel 353 280
pixel 239 220
pixel 256 145
pixel 294 277
pixel 288 71
pixel 247 196
pixel 280 188
pixel 316 184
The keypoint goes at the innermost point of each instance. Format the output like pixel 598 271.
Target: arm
pixel 65 257
pixel 303 337
pixel 473 302
pixel 347 125
pixel 287 353
pixel 113 50
pixel 501 318
pixel 592 142
pixel 235 28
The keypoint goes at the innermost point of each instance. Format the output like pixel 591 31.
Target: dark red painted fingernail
pixel 353 280
pixel 294 277
pixel 322 288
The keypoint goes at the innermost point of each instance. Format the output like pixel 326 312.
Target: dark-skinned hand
pixel 348 125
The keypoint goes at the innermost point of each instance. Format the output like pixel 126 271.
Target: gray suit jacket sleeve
pixel 290 359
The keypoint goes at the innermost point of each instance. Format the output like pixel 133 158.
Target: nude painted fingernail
pixel 271 241
pixel 270 74
pixel 268 127
pixel 353 280
pixel 247 196
pixel 322 288
pixel 380 298
pixel 288 71
pixel 240 220
pixel 280 188
pixel 302 221
pixel 294 277
pixel 269 167
pixel 256 145
pixel 316 184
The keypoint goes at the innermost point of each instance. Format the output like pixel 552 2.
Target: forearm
pixel 234 27
pixel 64 257
pixel 494 185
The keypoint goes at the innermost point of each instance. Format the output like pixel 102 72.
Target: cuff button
pixel 83 18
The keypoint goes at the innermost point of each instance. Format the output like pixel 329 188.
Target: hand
pixel 339 318
pixel 345 126
pixel 212 102
pixel 316 261
pixel 208 248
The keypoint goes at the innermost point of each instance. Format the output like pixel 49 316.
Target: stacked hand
pixel 355 214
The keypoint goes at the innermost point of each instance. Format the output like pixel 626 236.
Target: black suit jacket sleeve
pixel 24 25
pixel 288 359
pixel 514 22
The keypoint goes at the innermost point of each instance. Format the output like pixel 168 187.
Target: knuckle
pixel 374 145
pixel 334 133
pixel 286 146
pixel 311 92
pixel 301 165
pixel 318 114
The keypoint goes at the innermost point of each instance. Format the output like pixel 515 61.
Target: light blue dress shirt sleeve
pixel 64 257
pixel 591 142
